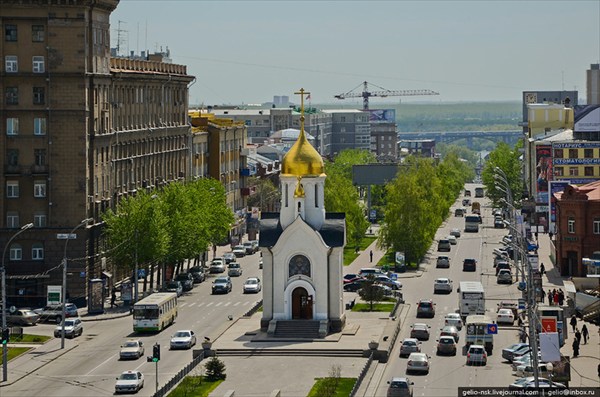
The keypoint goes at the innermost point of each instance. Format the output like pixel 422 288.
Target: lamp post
pixel 5 346
pixel 64 281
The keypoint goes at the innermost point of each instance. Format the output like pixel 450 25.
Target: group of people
pixel 578 335
pixel 555 298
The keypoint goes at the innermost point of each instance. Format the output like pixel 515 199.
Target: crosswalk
pixel 214 304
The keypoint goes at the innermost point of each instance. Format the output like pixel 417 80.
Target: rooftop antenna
pixel 562 72
pixel 120 38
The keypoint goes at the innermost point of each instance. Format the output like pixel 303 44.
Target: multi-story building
pixel 79 129
pixel 418 147
pixel 350 129
pixel 593 84
pixel 383 141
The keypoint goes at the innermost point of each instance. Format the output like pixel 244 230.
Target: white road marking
pixel 101 364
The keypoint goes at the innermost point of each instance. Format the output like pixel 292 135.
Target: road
pixel 91 367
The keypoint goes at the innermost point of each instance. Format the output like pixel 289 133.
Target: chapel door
pixel 301 305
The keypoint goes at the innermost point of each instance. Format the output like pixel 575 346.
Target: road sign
pixel 66 236
pixel 521 304
pixel 492 329
pixel 549 324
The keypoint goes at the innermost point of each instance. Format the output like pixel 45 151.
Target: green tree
pixel 215 369
pixel 266 195
pixel 507 161
pixel 371 292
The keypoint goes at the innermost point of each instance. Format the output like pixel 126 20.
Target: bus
pixel 472 223
pixel 477 332
pixel 471 298
pixel 155 312
pixel 478 192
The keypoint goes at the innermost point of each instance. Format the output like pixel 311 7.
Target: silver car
pixel 184 339
pixel 442 284
pixel 418 362
pixel 409 345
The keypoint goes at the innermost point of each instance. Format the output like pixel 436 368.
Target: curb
pixel 84 319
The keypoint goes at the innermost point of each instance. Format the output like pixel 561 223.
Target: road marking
pixel 192 304
pixel 101 364
pixel 210 303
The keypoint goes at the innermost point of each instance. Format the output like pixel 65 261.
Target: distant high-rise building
pixel 593 84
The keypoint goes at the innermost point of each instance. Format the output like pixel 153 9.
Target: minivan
pixel 443 245
pixel 469 265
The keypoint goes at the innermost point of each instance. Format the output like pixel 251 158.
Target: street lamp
pixel 64 283
pixel 5 346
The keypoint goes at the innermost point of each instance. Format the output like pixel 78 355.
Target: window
pixel 37 252
pixel 12 157
pixel 12 95
pixel 10 32
pixel 559 171
pixel 573 171
pixel 38 33
pixel 38 64
pixel 571 225
pixel 39 220
pixel 12 126
pixel 11 64
pixel 596 226
pixel 39 126
pixel 16 252
pixel 12 220
pixel 12 189
pixel 588 171
pixel 39 189
pixel 558 153
pixel 39 157
pixel 39 95
pixel 573 153
pixel 588 153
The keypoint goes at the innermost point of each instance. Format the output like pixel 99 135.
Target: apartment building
pixel 350 129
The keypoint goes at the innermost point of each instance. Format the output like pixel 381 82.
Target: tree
pixel 266 195
pixel 215 369
pixel 371 292
pixel 507 160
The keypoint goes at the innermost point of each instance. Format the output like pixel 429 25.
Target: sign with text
pixel 54 295
pixel 549 324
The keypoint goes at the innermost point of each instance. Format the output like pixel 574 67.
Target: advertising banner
pixel 587 118
pixel 382 115
pixel 549 348
pixel 555 187
pixel 543 157
pixel 54 296
pixel 549 324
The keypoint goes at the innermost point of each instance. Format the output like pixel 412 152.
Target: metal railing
pixel 178 377
pixel 362 375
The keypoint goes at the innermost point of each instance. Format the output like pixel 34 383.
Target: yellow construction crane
pixel 365 94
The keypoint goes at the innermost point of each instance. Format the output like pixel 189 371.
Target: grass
pixel 343 389
pixel 194 386
pixel 27 338
pixel 349 251
pixel 377 307
pixel 14 352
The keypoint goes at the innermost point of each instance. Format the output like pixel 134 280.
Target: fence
pixel 253 309
pixel 178 377
pixel 362 375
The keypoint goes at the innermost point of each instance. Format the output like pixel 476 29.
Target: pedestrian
pixel 555 298
pixel 542 269
pixel 113 297
pixel 550 297
pixel 550 235
pixel 543 295
pixel 573 322
pixel 578 335
pixel 371 256
pixel 575 347
pixel 561 297
pixel 536 236
pixel 522 336
pixel 585 333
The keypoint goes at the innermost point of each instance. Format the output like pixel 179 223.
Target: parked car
pixel 133 348
pixel 444 245
pixel 418 362
pixel 442 261
pixel 517 349
pixel 409 345
pixel 174 286
pixel 216 266
pixel 526 370
pixel 453 319
pixel 501 265
pixel 54 312
pixel 450 330
pixel 446 345
pixel 183 339
pixel 498 223
pixel 504 277
pixel 239 251
pixel 385 290
pixel 419 331
pixel 350 277
pixel 73 328
pixel 22 317
pixel 505 316
pixel 186 280
pixel 476 355
pixel 400 387
pixel 385 280
pixel 426 308
pixel 234 269
pixel 198 273
pixel 252 285
pixel 469 265
pixel 529 383
pixel 442 284
pixel 365 271
pixel 354 285
pixel 222 285
pixel 129 382
pixel 229 257
pixel 455 232
pixel 525 359
pixel 452 239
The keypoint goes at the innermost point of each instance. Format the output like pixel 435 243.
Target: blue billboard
pixel 382 115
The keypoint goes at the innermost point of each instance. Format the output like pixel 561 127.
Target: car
pixel 516 349
pixel 409 345
pixel 217 266
pixel 476 354
pixel 350 277
pixel 466 202
pixel 250 247
pixel 529 383
pixel 526 370
pixel 129 382
pixel 455 232
pixel 452 239
pixel 467 193
pixel 418 362
pixel 198 273
pixel 385 280
pixel 239 251
pixel 174 286
pixel 450 330
pixel 400 387
pixel 186 280
pixel 525 359
pixel 252 285
pixel 73 328
pixel 504 277
pixel 505 316
pixel 459 212
pixel 444 245
pixel 54 312
pixel 469 265
pixel 501 264
pixel 365 271
pixel 513 306
pixel 498 223
pixel 229 257
pixel 453 319
pixel 22 317
pixel 131 349
pixel 442 284
pixel 221 285
pixel 385 290
pixel 234 269
pixel 446 345
pixel 354 285
pixel 442 261
pixel 183 339
pixel 425 308
pixel 419 331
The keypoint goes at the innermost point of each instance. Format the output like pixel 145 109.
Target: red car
pixel 351 277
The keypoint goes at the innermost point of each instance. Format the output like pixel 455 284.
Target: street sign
pixel 492 329
pixel 549 324
pixel 521 304
pixel 54 295
pixel 66 236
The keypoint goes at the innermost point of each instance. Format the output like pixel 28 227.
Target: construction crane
pixel 365 94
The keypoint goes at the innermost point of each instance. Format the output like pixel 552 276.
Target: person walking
pixel 371 256
pixel 575 347
pixel 113 297
pixel 585 333
pixel 542 269
pixel 543 295
pixel 550 297
pixel 573 322
pixel 577 335
pixel 555 298
pixel 561 297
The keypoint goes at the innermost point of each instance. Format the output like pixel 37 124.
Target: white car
pixel 442 284
pixel 526 370
pixel 73 328
pixel 410 345
pixel 452 239
pixel 455 232
pixel 418 362
pixel 133 348
pixel 252 285
pixel 453 319
pixel 184 339
pixel 476 355
pixel 505 316
pixel 129 382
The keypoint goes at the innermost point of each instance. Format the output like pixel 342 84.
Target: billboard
pixel 587 118
pixel 543 158
pixel 555 187
pixel 382 115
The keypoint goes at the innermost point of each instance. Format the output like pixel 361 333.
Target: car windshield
pixel 425 304
pixel 442 281
pixel 447 341
pixel 69 323
pixel 234 266
pixel 130 344
pixel 128 376
pixel 181 334
pixel 398 385
pixel 251 281
pixel 476 351
pixel 220 281
pixel 410 343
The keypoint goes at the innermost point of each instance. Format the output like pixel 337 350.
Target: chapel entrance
pixel 301 305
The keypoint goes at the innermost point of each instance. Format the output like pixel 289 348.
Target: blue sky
pixel 248 51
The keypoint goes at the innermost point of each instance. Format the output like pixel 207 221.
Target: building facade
pixel 350 129
pixel 383 141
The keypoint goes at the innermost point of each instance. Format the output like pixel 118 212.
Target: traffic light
pixel 5 335
pixel 156 352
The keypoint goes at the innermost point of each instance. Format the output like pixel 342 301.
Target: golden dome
pixel 302 159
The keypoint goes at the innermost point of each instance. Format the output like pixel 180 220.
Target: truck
pixel 471 298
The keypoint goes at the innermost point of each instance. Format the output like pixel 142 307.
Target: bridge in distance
pixel 509 137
